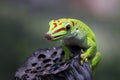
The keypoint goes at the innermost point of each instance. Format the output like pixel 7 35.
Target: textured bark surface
pixel 45 64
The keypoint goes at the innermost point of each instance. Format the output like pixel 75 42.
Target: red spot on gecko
pixel 61 29
pixel 55 25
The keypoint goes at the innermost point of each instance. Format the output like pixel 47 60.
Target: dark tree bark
pixel 45 64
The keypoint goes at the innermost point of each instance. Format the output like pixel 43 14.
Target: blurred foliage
pixel 23 24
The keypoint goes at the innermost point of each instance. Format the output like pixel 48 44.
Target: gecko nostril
pixel 48 36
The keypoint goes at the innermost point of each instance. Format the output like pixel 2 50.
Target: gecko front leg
pixel 90 51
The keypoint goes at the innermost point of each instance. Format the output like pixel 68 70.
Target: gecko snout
pixel 48 36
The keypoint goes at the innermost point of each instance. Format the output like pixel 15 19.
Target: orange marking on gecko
pixel 61 29
pixel 55 25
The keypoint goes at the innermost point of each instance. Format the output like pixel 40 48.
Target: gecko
pixel 75 32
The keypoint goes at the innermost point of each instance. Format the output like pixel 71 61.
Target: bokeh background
pixel 23 24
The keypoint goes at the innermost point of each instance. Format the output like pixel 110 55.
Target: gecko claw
pixel 83 59
pixel 86 60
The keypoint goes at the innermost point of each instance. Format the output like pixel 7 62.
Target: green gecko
pixel 75 32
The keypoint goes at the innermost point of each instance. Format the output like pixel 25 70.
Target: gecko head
pixel 61 29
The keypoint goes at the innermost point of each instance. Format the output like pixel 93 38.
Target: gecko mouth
pixel 49 37
pixel 57 37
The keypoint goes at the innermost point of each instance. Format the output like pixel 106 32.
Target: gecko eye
pixel 68 27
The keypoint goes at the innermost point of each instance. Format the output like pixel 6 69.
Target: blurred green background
pixel 23 24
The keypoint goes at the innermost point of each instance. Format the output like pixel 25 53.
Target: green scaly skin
pixel 75 32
